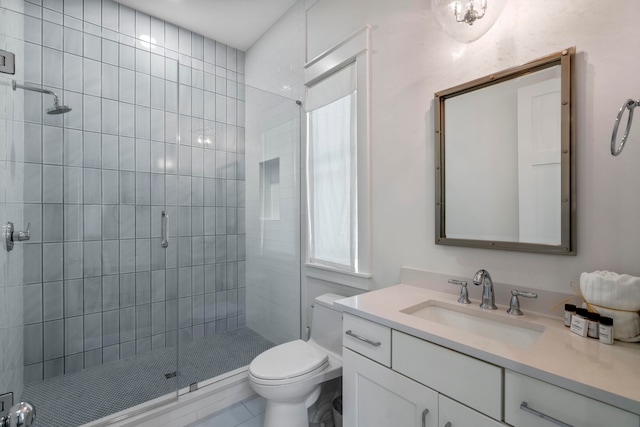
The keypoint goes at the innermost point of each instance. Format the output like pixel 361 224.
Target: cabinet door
pixel 454 414
pixel 375 396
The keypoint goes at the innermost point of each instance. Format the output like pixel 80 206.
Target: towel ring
pixel 630 104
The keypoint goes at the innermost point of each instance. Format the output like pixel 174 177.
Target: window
pixel 332 181
pixel 337 165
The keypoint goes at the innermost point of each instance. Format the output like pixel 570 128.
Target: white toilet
pixel 289 376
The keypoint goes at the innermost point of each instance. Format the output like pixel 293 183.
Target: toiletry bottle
pixel 594 325
pixel 606 330
pixel 569 310
pixel 579 322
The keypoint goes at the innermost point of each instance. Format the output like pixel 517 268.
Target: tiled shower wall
pixel 96 287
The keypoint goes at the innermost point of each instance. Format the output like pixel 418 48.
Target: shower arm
pixel 15 85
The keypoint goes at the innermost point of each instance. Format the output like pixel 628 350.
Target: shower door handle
pixel 164 229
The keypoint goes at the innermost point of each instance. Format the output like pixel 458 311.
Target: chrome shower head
pixel 58 109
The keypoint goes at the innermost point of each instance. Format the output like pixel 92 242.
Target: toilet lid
pixel 288 360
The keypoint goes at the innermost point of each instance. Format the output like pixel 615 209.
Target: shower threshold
pixel 82 397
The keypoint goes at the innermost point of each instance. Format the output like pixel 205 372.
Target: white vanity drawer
pixel 470 381
pixel 367 338
pixel 558 403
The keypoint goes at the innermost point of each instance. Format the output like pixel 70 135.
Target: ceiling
pixel 237 23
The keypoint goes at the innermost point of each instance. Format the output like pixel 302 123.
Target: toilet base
pixel 288 414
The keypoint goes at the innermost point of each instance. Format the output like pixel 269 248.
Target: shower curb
pixel 212 396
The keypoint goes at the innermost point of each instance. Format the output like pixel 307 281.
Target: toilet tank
pixel 326 323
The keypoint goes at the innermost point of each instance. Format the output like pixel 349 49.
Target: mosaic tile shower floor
pixel 85 396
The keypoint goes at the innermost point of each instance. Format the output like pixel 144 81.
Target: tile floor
pixel 248 413
pixel 128 382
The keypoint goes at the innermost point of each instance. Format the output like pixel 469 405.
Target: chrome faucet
pixel 482 277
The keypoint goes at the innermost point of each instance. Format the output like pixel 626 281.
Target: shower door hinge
pixel 7 62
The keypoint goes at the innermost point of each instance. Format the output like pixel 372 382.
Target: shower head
pixel 56 109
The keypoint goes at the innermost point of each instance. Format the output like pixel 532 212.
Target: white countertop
pixel 609 373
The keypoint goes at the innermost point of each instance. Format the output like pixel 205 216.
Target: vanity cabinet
pixel 390 378
pixel 408 395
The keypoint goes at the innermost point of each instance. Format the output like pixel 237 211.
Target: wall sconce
pixel 466 20
pixel 470 15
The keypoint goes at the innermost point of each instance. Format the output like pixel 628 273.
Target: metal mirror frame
pixel 567 246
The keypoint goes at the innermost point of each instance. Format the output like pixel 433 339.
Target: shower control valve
pixel 20 415
pixel 11 236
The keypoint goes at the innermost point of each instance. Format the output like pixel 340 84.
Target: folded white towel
pixel 617 292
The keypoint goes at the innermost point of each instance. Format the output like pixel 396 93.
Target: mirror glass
pixel 503 161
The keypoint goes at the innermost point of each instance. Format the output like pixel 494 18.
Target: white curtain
pixel 331 169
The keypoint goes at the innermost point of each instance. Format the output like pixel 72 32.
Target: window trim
pixel 354 49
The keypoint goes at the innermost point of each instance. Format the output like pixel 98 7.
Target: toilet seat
pixel 287 363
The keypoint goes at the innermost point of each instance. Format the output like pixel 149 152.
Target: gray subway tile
pixel 92 331
pixel 92 260
pixel 92 222
pixel 92 295
pixel 73 298
pixel 127 324
pixel 127 290
pixel 110 292
pixel 73 335
pixel 53 368
pixel 53 339
pixel 53 299
pixel 32 303
pixel 73 222
pixel 73 363
pixel 92 186
pixel 143 287
pixel 33 344
pixel 110 257
pixel 93 358
pixel 110 353
pixel 143 321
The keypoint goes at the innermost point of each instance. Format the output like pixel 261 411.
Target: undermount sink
pixel 489 324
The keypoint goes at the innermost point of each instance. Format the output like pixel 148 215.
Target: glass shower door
pixel 11 295
pixel 88 315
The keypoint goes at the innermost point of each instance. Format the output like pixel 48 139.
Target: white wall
pixel 412 59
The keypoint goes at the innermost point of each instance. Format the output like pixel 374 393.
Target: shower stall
pixel 150 205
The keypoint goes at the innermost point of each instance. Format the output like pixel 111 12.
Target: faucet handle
pixel 514 304
pixel 464 293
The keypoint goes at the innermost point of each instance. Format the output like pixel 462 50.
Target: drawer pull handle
pixel 424 417
pixel 358 337
pixel 545 417
pixel 448 424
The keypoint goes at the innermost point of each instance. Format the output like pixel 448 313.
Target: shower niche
pixel 270 189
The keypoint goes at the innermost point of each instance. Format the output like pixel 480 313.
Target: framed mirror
pixel 504 159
